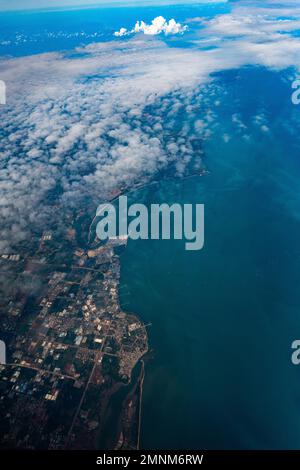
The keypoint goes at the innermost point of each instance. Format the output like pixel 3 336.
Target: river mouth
pixel 223 318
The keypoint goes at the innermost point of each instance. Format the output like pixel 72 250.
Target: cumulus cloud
pixel 158 26
pixel 78 125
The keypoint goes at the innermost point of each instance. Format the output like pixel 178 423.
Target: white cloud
pixel 158 26
pixel 122 32
pixel 254 35
pixel 77 126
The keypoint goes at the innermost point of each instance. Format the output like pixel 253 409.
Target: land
pixel 70 347
pixel 72 352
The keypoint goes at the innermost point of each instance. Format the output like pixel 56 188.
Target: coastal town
pixel 70 349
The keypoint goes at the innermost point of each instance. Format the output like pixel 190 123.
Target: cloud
pixel 108 115
pixel 76 127
pixel 122 32
pixel 158 26
pixel 254 34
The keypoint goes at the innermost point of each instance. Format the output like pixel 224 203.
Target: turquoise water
pixel 223 318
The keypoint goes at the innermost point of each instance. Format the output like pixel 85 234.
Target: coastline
pixel 141 402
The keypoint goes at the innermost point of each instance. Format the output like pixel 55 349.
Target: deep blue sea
pixel 223 319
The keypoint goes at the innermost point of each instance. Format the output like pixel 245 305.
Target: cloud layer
pixel 158 26
pixel 107 115
pixel 77 127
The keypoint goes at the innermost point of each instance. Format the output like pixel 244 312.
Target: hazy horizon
pixel 19 5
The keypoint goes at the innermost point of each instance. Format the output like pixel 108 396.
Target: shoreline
pixel 119 443
pixel 140 404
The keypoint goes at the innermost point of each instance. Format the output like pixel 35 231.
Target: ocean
pixel 223 318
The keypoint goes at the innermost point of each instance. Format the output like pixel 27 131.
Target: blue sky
pixel 34 4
